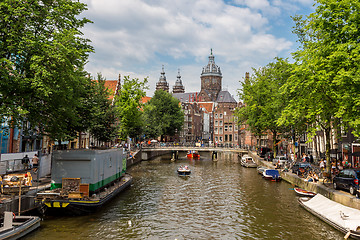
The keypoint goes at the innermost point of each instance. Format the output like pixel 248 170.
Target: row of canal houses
pixel 208 119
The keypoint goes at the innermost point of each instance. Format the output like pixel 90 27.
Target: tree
pixel 42 58
pixel 129 107
pixel 325 85
pixel 100 114
pixel 263 100
pixel 163 115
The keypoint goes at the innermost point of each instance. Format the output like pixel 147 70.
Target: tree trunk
pixel 327 151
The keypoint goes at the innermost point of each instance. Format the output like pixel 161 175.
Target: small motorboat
pixel 193 154
pixel 260 170
pixel 15 227
pixel 247 161
pixel 304 193
pixel 184 170
pixel 272 174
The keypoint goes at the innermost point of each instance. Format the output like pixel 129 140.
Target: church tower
pixel 210 81
pixel 162 84
pixel 178 88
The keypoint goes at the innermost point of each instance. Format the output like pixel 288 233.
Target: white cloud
pixel 137 36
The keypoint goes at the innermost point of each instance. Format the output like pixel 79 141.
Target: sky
pixel 137 37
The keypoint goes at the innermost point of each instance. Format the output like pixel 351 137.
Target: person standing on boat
pixel 35 162
pixel 25 162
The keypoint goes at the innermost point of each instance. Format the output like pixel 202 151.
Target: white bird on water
pixel 129 223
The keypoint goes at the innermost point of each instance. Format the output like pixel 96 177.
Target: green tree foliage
pixel 163 115
pixel 129 107
pixel 263 99
pixel 42 57
pixel 99 111
pixel 325 84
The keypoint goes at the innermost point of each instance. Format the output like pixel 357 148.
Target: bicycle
pixel 327 179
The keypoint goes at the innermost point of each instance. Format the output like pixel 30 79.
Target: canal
pixel 220 200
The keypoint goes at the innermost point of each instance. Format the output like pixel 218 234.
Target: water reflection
pixel 219 200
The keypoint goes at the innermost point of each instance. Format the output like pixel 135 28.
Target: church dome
pixel 211 68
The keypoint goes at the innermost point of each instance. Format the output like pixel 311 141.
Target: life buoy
pixel 14 216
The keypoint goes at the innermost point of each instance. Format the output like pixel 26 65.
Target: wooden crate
pixel 70 185
pixel 84 189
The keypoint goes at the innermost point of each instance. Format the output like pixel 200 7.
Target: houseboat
pixel 84 180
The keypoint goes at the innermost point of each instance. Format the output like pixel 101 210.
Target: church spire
pixel 178 88
pixel 162 84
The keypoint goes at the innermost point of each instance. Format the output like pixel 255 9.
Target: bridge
pixel 154 150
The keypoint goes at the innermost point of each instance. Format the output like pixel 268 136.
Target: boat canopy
pixel 341 215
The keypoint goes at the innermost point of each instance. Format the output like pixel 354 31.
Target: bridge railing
pixel 189 144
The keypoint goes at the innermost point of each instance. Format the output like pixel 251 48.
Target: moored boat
pixel 343 218
pixel 184 170
pixel 247 161
pixel 261 169
pixel 15 227
pixel 272 174
pixel 84 180
pixel 193 154
pixel 304 193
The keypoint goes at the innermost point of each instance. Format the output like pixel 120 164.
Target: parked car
pixel 280 160
pixel 269 156
pixel 347 179
pixel 299 167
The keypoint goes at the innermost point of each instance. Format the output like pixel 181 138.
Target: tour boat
pixel 193 154
pixel 272 174
pixel 247 161
pixel 304 193
pixel 184 170
pixel 83 181
pixel 343 218
pixel 15 227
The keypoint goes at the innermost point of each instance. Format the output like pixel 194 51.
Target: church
pixel 209 113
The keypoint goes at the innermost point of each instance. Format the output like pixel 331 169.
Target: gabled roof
pixel 225 96
pixel 186 97
pixel 209 106
pixel 145 99
pixel 111 85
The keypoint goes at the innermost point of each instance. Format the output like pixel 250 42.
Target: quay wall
pixel 338 196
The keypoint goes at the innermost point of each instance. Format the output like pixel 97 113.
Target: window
pixel 225 128
pixel 236 127
pixel 216 115
pixel 189 125
pixel 226 137
pixel 221 139
pixel 230 137
pixel 221 131
pixel 216 123
pixel 189 119
pixel 216 139
pixel 216 131
pixel 221 116
pixel 220 123
pixel 236 137
pixel 230 128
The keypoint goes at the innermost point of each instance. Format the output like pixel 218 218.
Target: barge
pixel 83 181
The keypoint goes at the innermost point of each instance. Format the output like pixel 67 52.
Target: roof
pixel 225 96
pixel 186 97
pixel 209 106
pixel 145 99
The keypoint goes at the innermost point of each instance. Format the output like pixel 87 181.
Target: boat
pixel 83 181
pixel 304 193
pixel 193 154
pixel 15 227
pixel 343 218
pixel 261 169
pixel 272 174
pixel 184 170
pixel 247 161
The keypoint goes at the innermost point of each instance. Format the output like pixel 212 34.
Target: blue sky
pixel 137 37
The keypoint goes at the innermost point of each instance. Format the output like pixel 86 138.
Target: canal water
pixel 220 200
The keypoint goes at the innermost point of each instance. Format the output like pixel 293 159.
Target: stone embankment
pixel 342 197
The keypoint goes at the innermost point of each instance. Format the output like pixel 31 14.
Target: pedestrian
pixel 35 162
pixel 322 165
pixel 25 162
